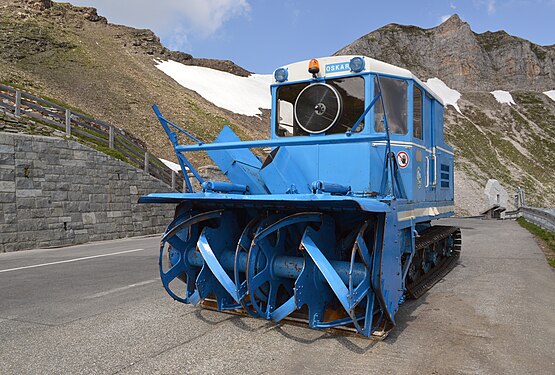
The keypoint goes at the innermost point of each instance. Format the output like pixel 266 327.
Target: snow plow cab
pixel 333 226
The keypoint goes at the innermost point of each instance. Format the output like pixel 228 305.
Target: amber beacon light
pixel 314 67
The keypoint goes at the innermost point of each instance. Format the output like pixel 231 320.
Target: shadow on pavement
pixel 355 344
pixel 404 317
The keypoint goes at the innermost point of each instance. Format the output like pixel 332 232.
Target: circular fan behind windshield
pixel 317 108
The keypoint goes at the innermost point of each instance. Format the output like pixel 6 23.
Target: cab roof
pixel 335 66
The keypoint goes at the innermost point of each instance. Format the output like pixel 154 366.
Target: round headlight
pixel 356 64
pixel 281 75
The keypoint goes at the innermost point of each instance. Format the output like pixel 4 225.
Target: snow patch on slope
pixel 171 165
pixel 447 94
pixel 503 97
pixel 550 94
pixel 242 95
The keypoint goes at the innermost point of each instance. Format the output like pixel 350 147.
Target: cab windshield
pixel 329 107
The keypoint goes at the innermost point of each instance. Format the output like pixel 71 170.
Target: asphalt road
pixel 99 308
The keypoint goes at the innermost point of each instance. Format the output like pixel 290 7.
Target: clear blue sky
pixel 261 35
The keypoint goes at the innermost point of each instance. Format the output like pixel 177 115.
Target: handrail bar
pixel 295 141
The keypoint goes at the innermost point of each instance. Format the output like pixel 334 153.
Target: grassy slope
pixel 102 70
pixel 513 144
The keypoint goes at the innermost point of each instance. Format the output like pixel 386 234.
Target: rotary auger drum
pixel 333 226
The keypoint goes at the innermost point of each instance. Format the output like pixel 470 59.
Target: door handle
pixel 434 182
pixel 427 171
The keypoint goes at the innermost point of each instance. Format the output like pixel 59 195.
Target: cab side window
pixel 394 94
pixel 417 112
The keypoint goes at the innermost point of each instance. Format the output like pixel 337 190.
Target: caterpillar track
pixel 446 243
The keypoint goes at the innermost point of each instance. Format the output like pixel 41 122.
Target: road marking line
pixel 69 260
pixel 120 289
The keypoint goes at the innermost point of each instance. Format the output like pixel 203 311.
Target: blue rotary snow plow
pixel 333 226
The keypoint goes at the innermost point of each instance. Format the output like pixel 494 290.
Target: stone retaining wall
pixel 55 192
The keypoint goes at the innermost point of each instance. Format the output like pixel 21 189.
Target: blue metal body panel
pixel 327 221
pixel 274 200
pixel 284 174
pixel 238 164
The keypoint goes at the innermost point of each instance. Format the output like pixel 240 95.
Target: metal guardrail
pixel 544 218
pixel 21 103
pixel 512 215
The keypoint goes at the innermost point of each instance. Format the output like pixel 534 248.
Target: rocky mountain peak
pixel 463 59
pixel 452 23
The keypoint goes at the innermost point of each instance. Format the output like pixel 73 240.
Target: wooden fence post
pixel 146 161
pixel 111 138
pixel 68 122
pixel 17 103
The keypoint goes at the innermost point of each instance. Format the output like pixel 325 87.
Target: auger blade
pixel 271 294
pixel 181 237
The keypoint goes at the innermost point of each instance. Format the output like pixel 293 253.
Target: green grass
pixel 547 237
pixel 97 145
pixel 47 98
pixel 535 109
pixel 63 104
pixel 15 85
pixel 490 150
pixel 520 121
pixel 96 133
pixel 102 148
pixel 475 147
pixel 489 41
pixel 539 51
pixel 111 152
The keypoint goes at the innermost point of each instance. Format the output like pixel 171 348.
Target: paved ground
pixel 493 314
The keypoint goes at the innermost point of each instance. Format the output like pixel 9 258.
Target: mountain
pixel 116 73
pixel 513 143
pixel 71 54
pixel 463 59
